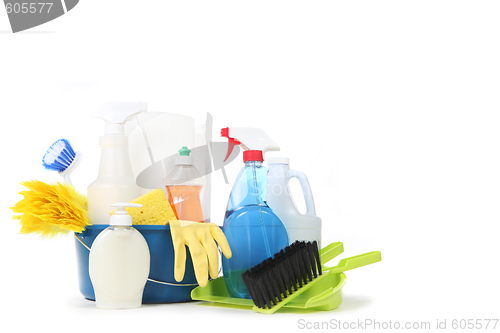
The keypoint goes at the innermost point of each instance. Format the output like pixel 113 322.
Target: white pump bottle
pixel 119 263
pixel 115 181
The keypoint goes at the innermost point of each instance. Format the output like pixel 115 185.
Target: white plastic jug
pixel 302 227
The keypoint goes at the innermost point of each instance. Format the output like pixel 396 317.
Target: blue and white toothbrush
pixel 62 158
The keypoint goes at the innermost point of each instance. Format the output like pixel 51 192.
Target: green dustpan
pixel 323 293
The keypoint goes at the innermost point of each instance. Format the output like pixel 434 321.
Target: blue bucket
pixel 161 286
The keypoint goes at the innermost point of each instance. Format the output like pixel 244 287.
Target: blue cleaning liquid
pixel 254 232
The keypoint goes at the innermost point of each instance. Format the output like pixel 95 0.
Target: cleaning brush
pixel 283 274
pixel 62 158
pixel 278 280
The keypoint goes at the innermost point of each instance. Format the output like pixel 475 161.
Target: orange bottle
pixel 184 185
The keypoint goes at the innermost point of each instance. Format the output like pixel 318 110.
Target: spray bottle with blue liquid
pixel 254 232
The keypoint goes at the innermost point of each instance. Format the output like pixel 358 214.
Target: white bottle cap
pixel 121 217
pixel 278 160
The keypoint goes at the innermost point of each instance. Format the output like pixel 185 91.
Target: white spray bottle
pixel 115 181
pixel 119 263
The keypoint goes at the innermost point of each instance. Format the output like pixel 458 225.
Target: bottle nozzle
pixel 116 114
pixel 250 139
pixel 120 216
pixel 232 142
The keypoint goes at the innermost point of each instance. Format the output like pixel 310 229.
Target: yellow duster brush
pixel 51 210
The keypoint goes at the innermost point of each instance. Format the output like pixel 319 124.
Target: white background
pixel 390 107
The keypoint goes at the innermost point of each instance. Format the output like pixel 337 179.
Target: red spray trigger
pixel 232 142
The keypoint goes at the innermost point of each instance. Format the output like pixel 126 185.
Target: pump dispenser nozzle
pixel 121 217
pixel 254 141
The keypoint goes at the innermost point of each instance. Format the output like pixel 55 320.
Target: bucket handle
pixel 155 281
pixel 306 190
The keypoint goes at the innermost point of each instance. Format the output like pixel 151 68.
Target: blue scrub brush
pixel 62 158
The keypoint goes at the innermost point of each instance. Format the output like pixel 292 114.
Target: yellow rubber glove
pixel 200 238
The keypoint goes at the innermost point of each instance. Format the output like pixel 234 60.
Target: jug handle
pixel 306 190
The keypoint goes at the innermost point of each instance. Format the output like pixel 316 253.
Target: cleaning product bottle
pixel 115 181
pixel 254 232
pixel 119 262
pixel 184 184
pixel 301 227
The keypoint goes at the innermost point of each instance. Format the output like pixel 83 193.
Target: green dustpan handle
pixel 331 251
pixel 355 262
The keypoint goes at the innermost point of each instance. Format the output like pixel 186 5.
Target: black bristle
pixel 280 275
pixel 313 260
pixel 250 284
pixel 307 262
pixel 316 256
pixel 286 271
pixel 259 288
pixel 267 290
pixel 296 269
pixel 253 283
pixel 282 278
pixel 276 287
pixel 292 269
pixel 273 284
pixel 304 269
